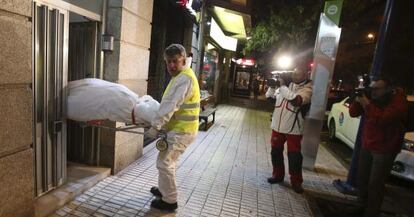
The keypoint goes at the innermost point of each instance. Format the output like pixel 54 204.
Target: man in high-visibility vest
pixel 178 115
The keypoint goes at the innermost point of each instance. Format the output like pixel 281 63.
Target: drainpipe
pixel 101 73
pixel 201 39
pixel 103 32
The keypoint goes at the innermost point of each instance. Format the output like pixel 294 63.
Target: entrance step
pixel 80 178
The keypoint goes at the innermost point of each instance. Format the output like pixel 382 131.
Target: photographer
pixel 287 125
pixel 349 186
pixel 385 110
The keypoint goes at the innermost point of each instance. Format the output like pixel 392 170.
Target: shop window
pixel 208 73
pixel 242 80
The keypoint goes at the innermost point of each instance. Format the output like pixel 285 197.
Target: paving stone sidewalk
pixel 222 174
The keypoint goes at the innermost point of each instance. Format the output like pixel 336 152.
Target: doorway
pixel 243 77
pixel 82 142
pixel 65 48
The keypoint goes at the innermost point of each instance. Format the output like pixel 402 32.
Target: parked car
pixel 345 128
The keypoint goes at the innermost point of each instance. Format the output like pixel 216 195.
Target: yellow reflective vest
pixel 185 119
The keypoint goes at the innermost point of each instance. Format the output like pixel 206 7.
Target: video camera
pixel 362 91
pixel 363 88
pixel 286 76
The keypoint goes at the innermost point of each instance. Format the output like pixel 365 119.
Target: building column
pixel 130 22
pixel 16 154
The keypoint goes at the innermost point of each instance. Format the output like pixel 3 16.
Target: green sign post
pixel 333 10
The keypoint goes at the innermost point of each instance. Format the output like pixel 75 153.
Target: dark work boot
pixel 274 180
pixel 162 205
pixel 156 192
pixel 298 189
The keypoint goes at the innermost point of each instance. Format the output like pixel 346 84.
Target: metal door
pixel 50 39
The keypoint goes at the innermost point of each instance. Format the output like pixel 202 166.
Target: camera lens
pixel 271 82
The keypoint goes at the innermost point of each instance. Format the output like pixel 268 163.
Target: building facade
pixel 48 43
pixel 34 147
pixel 16 102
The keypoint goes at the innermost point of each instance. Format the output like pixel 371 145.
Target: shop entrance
pixel 242 83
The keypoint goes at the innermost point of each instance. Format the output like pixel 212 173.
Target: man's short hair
pixel 388 80
pixel 302 68
pixel 174 49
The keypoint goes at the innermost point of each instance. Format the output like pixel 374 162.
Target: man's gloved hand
pixel 270 92
pixel 152 133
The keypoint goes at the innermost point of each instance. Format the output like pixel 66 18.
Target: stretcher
pixel 161 143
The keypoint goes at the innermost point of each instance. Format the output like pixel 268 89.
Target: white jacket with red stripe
pixel 286 116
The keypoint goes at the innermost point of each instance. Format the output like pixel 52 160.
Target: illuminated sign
pixel 182 2
pixel 245 62
pixel 224 41
pixel 188 5
pixel 248 62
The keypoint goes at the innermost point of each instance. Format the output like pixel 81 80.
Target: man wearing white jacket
pixel 287 125
pixel 178 115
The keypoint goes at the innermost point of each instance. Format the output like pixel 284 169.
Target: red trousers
pixel 294 154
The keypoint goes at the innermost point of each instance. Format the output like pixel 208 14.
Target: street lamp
pixel 370 36
pixel 284 62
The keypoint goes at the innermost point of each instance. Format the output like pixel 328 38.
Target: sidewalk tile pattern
pixel 224 173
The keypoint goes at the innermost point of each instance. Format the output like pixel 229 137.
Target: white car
pixel 345 128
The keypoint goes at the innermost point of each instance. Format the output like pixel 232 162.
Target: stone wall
pixel 130 22
pixel 16 154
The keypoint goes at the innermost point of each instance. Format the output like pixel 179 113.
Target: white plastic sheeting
pixel 145 110
pixel 96 99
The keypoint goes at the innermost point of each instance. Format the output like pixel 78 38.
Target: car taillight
pixel 409 146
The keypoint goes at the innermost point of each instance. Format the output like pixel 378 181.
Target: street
pixel 399 193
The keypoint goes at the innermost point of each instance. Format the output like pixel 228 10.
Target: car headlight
pixel 408 146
